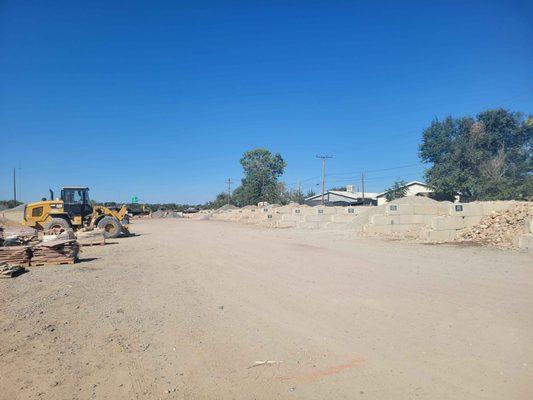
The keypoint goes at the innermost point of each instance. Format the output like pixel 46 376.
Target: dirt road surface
pixel 185 309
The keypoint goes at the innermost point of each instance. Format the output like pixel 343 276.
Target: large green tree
pixel 488 157
pixel 260 183
pixel 397 190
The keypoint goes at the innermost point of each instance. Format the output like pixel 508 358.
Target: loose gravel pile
pixel 166 214
pixel 500 229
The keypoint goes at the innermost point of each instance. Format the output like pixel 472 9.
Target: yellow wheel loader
pixel 74 210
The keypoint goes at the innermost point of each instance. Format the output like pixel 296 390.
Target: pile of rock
pixel 500 229
pixel 166 214
pixel 10 271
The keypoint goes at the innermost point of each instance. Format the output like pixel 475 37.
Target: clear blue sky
pixel 159 99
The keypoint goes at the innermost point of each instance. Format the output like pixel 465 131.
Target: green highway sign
pixel 134 199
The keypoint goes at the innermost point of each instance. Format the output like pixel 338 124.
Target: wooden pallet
pixel 94 243
pixel 26 264
pixel 43 264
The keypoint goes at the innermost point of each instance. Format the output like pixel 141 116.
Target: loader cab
pixel 76 202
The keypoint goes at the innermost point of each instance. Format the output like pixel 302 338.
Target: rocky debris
pixel 17 236
pixel 58 234
pixel 10 271
pixel 500 229
pixel 166 214
pixel 226 207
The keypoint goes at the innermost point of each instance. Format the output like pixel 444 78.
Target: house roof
pixel 404 186
pixel 342 193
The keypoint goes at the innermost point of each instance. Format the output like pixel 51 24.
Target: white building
pixel 342 198
pixel 413 188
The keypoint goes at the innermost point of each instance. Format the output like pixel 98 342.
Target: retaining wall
pixel 414 217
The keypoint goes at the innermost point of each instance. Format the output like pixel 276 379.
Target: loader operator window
pixel 74 196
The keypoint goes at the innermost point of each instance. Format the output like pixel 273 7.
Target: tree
pixel 484 158
pixel 6 204
pixel 260 183
pixel 297 196
pixel 220 200
pixel 397 190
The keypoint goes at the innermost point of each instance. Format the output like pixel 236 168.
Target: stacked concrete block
pixel 248 215
pixel 466 210
pixel 525 241
pixel 448 223
pixel 491 206
pixel 292 218
pixel 311 225
pixel 320 210
pixel 343 218
pixel 399 209
pixel 315 221
pixel 444 235
pixel 407 219
pixel 423 219
pixel 431 209
pixel 286 224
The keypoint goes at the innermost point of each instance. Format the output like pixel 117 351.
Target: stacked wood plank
pixel 15 255
pixel 55 252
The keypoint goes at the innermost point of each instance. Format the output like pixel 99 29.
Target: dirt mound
pixel 226 207
pixel 500 229
pixel 7 223
pixel 19 208
pixel 166 214
pixel 416 200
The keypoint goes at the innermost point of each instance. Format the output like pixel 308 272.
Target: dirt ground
pixel 185 309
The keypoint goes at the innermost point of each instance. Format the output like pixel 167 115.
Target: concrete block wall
pixel 343 218
pixel 408 219
pixel 525 241
pixel 461 216
pixel 433 221
pixel 427 220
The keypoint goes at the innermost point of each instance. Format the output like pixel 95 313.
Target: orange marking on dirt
pixel 315 375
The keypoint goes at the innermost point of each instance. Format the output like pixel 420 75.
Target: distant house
pixel 342 198
pixel 413 188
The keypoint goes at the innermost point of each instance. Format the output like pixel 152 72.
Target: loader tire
pixel 57 223
pixel 111 227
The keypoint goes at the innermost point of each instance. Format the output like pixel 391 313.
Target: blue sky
pixel 159 99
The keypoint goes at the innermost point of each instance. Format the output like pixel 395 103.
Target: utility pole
pixel 229 189
pixel 14 186
pixel 323 158
pixel 363 186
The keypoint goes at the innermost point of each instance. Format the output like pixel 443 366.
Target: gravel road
pixel 185 309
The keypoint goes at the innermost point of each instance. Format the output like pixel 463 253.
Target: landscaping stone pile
pixel 499 229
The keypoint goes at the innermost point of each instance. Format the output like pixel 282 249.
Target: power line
pixel 14 186
pixel 356 174
pixel 323 158
pixel 229 189
pixel 377 170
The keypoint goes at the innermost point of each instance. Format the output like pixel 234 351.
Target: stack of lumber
pixel 15 255
pixel 91 238
pixel 55 252
pixel 10 271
